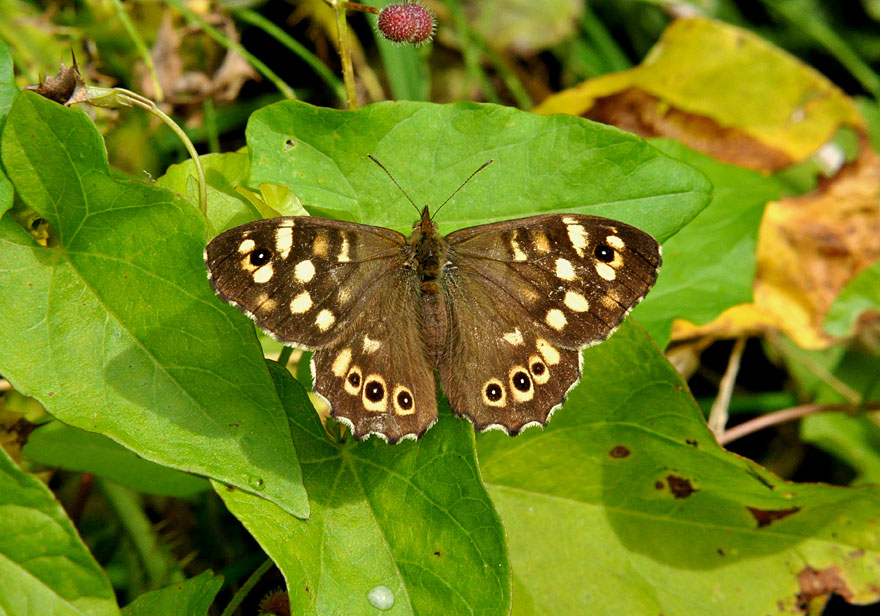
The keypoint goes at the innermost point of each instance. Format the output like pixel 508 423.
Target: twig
pixel 718 415
pixel 246 588
pixel 778 417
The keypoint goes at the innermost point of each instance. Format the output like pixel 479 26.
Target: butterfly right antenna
pixel 483 166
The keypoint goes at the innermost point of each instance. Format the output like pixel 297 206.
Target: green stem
pixel 136 100
pixel 128 508
pixel 223 40
pixel 807 22
pixel 255 19
pixel 246 588
pixel 211 132
pixel 284 356
pixel 141 48
pixel 604 44
pixel 345 54
pixel 470 51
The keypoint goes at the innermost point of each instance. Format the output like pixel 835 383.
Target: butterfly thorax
pixel 428 252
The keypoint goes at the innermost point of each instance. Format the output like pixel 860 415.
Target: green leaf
pixel 862 293
pixel 60 446
pixel 113 326
pixel 8 91
pixel 44 566
pixel 709 266
pixel 413 517
pixel 541 164
pixel 627 495
pixel 223 174
pixel 192 597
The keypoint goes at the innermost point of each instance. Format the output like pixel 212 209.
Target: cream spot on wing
pixel 547 351
pixel 606 271
pixel 353 380
pixel 494 393
pixel 375 393
pixel 515 337
pixel 404 403
pixel 266 303
pixel 343 256
pixel 609 302
pixel 576 301
pixel 577 235
pixel 247 265
pixel 344 295
pixel 518 254
pixel 304 271
pixel 370 345
pixel 570 220
pixel 246 246
pixel 520 384
pixel 614 242
pixel 324 320
pixel 301 303
pixel 617 262
pixel 556 319
pixel 321 244
pixel 263 274
pixel 539 370
pixel 283 241
pixel 341 363
pixel 542 244
pixel 565 270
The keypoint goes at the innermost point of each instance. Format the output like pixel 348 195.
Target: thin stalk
pixel 719 414
pixel 255 19
pixel 284 356
pixel 246 588
pixel 345 54
pixel 604 44
pixel 211 133
pixel 470 52
pixel 773 419
pixel 141 47
pixel 223 40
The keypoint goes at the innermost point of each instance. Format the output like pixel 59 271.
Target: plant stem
pixel 246 588
pixel 141 47
pixel 796 412
pixel 255 19
pixel 718 415
pixel 284 356
pixel 345 54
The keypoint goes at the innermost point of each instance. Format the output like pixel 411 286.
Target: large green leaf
pixel 625 504
pixel 61 446
pixel 45 570
pixel 709 266
pixel 414 518
pixel 113 326
pixel 192 597
pixel 541 164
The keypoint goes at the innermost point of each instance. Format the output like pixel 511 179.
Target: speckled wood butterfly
pixel 500 312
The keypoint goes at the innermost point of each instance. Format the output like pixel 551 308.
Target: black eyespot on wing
pixel 374 391
pixel 522 381
pixel 261 256
pixel 404 400
pixel 604 253
pixel 538 368
pixel 493 392
pixel 354 379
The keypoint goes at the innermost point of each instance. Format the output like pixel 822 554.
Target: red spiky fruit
pixel 408 23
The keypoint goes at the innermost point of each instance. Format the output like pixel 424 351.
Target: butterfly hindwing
pixel 301 278
pixel 376 375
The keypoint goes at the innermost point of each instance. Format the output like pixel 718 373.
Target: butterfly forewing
pixel 574 277
pixel 524 296
pixel 301 278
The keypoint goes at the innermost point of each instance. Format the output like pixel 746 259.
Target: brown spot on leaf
pixel 619 452
pixel 692 442
pixel 819 583
pixel 636 111
pixel 659 485
pixel 680 487
pixel 765 517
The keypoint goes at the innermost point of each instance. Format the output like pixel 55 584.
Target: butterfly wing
pixel 523 298
pixel 300 277
pixel 341 289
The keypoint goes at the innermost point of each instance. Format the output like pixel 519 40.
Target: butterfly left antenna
pixel 375 160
